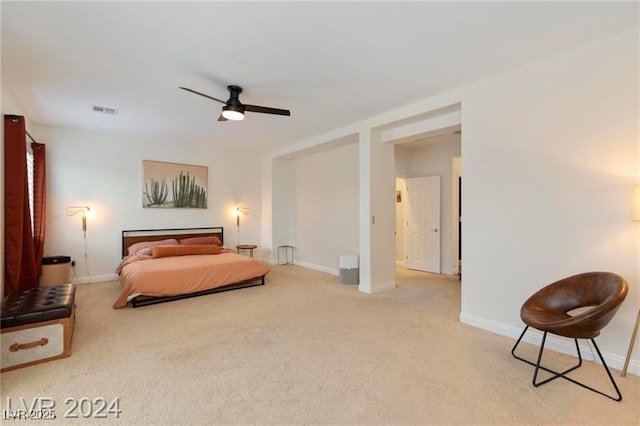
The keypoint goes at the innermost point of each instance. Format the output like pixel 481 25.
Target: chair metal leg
pixel 562 374
pixel 613 382
pixel 555 375
pixel 538 365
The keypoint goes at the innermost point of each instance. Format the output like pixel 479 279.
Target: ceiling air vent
pixel 105 110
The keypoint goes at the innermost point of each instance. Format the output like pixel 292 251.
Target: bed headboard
pixel 132 236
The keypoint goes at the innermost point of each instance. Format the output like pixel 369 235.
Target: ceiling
pixel 330 63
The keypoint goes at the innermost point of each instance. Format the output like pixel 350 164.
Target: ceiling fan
pixel 234 109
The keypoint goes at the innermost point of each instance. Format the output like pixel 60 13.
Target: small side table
pixel 249 247
pixel 287 250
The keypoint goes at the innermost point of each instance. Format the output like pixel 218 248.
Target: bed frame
pixel 132 236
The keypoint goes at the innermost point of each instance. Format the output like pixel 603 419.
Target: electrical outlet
pixel 73 263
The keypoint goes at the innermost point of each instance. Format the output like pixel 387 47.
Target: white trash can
pixel 349 271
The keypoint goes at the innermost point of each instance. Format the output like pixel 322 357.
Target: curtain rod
pixel 31 137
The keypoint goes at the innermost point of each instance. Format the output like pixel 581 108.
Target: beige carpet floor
pixel 305 349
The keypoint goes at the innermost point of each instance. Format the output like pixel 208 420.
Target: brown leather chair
pixel 549 310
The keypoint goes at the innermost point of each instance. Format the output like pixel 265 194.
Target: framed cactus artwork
pixel 173 185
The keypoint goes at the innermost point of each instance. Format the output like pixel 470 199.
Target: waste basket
pixel 56 270
pixel 349 271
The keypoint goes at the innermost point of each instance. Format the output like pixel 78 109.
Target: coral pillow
pixel 201 240
pixel 166 251
pixel 135 248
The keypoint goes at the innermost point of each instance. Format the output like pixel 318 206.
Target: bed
pixel 170 264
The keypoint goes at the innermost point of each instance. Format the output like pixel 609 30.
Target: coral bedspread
pixel 175 275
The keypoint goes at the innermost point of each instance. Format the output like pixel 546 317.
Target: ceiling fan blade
pixel 221 118
pixel 202 94
pixel 266 110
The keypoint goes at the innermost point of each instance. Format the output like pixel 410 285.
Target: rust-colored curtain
pixel 39 201
pixel 20 272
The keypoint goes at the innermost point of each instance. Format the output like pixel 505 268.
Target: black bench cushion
pixel 37 305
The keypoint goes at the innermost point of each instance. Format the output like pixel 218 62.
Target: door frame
pixel 456 216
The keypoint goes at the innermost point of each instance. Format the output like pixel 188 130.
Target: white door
pixel 423 224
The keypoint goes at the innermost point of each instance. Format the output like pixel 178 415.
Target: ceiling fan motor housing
pixel 234 104
pixel 234 91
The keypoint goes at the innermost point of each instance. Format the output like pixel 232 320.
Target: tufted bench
pixel 37 325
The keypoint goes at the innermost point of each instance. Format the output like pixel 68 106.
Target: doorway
pixel 436 155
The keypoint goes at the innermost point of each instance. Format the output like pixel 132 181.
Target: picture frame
pixel 174 185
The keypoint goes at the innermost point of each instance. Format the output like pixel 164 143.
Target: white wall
pixel 326 206
pixel 105 173
pixel 550 153
pixel 10 105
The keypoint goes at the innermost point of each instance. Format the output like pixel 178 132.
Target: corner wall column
pixel 377 213
pixel 279 201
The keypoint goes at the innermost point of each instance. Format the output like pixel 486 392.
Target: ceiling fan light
pixel 231 113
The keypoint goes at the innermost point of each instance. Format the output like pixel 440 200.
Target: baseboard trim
pixel 315 267
pixel 377 288
pixel 95 279
pixel 554 343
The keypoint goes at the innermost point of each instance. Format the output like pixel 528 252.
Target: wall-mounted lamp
pixel 72 210
pixel 236 213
